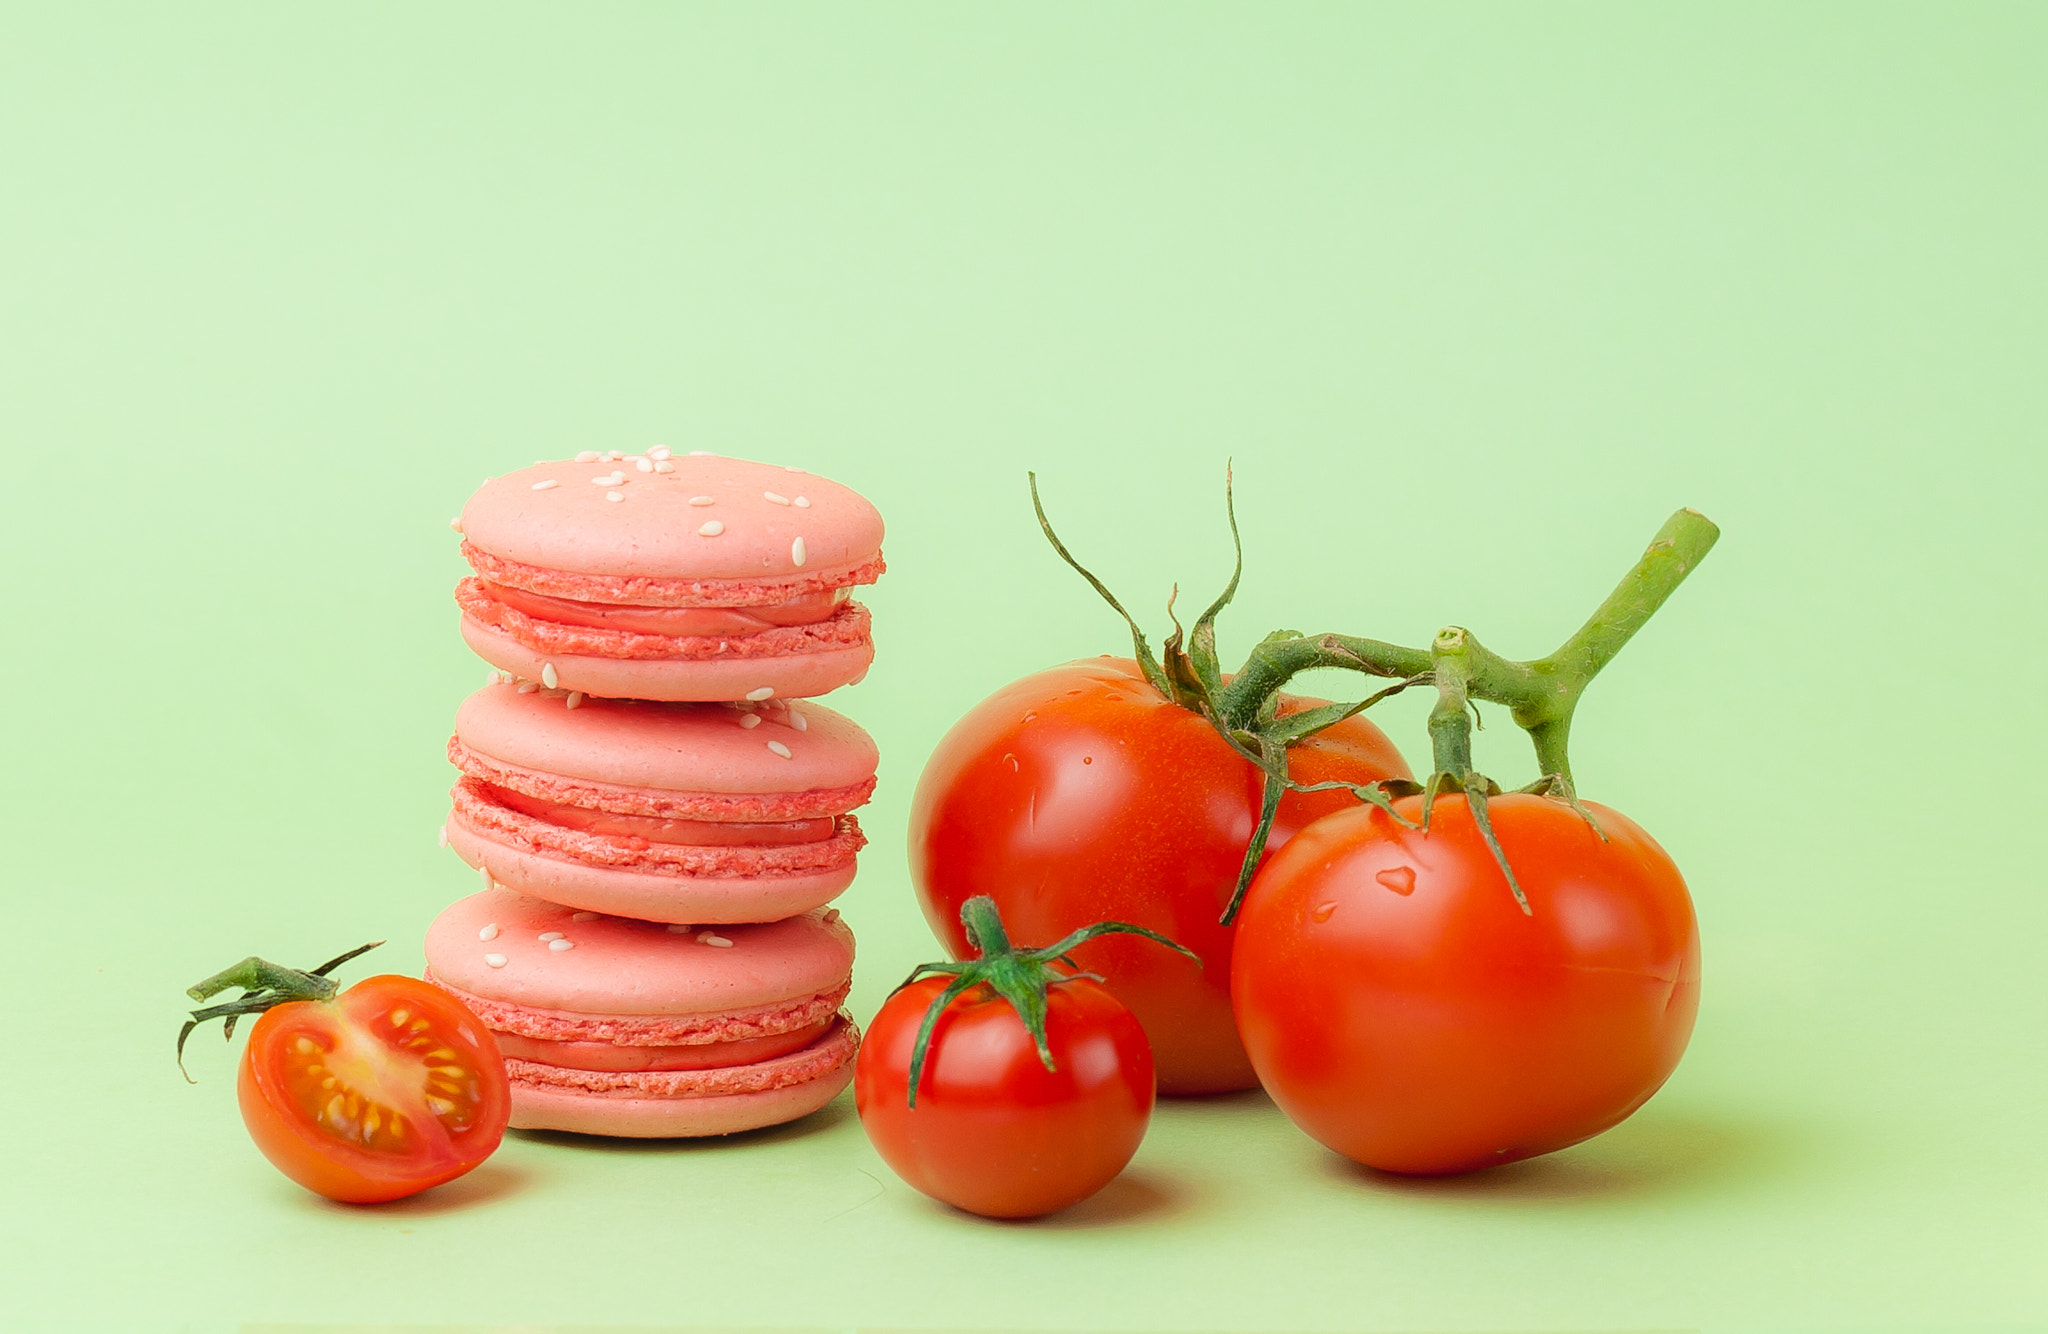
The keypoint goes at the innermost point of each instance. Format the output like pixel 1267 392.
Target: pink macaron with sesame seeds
pixel 617 1027
pixel 662 810
pixel 670 577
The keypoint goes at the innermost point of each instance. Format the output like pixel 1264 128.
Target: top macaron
pixel 670 577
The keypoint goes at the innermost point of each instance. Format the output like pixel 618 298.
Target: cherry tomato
pixel 995 1132
pixel 1078 794
pixel 1401 1008
pixel 391 1087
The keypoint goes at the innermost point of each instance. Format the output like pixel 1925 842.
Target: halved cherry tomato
pixel 1402 1008
pixel 389 1088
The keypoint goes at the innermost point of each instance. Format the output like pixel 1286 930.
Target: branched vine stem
pixel 1541 694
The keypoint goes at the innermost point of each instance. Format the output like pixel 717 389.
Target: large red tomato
pixel 1401 1007
pixel 1079 794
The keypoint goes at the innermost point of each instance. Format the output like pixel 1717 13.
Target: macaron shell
pixel 755 523
pixel 545 1107
pixel 673 746
pixel 651 896
pixel 615 966
pixel 800 675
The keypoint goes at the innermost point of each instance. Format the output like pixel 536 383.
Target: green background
pixel 1473 296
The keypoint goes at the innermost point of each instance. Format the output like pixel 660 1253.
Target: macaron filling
pixel 816 1060
pixel 695 1056
pixel 846 625
pixel 644 590
pixel 660 620
pixel 657 829
pixel 661 803
pixel 477 806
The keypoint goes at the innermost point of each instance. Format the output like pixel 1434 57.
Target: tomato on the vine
pixel 1402 1008
pixel 1081 793
pixel 372 1094
pixel 994 1132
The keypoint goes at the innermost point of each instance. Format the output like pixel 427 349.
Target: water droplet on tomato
pixel 1400 879
pixel 1011 760
pixel 1073 693
pixel 1112 698
pixel 1323 911
pixel 1029 716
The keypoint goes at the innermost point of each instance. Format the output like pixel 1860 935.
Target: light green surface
pixel 1474 296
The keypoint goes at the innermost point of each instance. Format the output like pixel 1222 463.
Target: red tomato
pixel 994 1132
pixel 391 1087
pixel 1402 1009
pixel 1079 794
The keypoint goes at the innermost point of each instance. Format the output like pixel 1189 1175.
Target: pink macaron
pixel 619 1027
pixel 671 812
pixel 692 577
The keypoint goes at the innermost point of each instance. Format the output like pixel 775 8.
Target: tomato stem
pixel 1018 976
pixel 264 984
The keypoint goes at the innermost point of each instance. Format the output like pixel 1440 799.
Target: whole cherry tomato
pixel 1007 1086
pixel 994 1132
pixel 370 1095
pixel 1401 1007
pixel 1080 793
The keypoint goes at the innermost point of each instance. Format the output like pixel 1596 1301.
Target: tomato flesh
pixel 389 1088
pixel 994 1132
pixel 1078 795
pixel 1402 1009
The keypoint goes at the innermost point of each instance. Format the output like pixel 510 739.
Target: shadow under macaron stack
pixel 658 812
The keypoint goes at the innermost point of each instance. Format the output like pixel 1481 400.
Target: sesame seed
pixel 798 721
pixel 583 917
pixel 491 677
pixel 488 933
pixel 527 687
pixel 750 720
pixel 484 874
pixel 614 455
pixel 774 499
pixel 615 496
pixel 495 960
pixel 715 940
pixel 831 916
pixel 664 466
pixel 547 675
pixel 779 749
pixel 549 935
pixel 760 693
pixel 548 485
pixel 802 502
pixel 613 478
pixel 575 700
pixel 559 945
pixel 796 552
pixel 702 500
pixel 679 928
pixel 659 452
pixel 588 456
pixel 712 529
pixel 644 464
pixel 702 454
pixel 456 524
pixel 443 831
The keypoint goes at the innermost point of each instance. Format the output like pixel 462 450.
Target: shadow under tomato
pixel 1136 1196
pixel 1649 1154
pixel 825 1119
pixel 488 1183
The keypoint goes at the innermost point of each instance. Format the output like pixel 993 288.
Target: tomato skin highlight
pixel 994 1132
pixel 1079 794
pixel 1402 1009
pixel 393 1068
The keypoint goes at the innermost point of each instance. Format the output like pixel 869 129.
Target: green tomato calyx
pixel 264 984
pixel 1019 976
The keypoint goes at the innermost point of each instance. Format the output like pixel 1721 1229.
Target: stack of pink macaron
pixel 658 811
